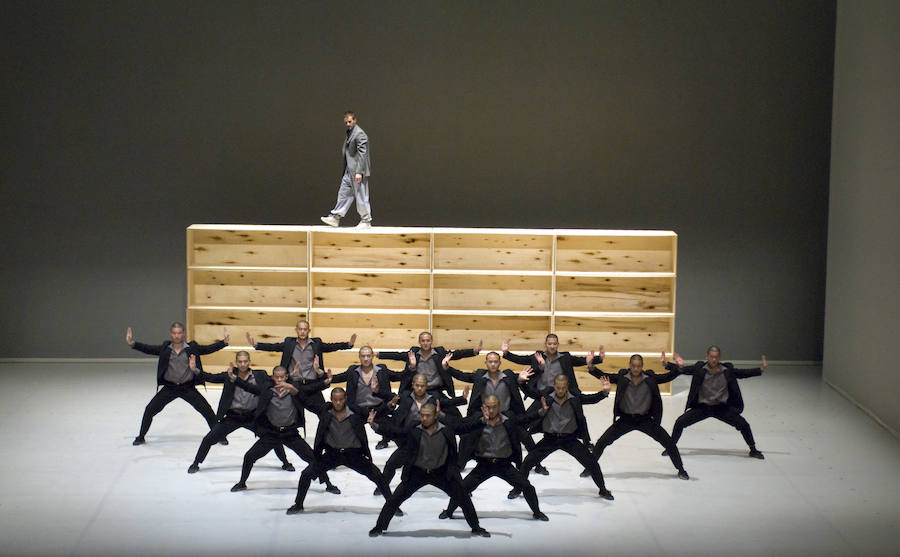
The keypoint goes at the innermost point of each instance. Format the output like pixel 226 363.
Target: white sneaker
pixel 364 225
pixel 331 220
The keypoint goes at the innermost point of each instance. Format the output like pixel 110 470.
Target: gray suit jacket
pixel 356 152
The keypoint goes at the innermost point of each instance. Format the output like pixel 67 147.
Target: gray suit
pixel 355 152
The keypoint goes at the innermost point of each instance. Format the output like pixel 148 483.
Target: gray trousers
pixel 349 191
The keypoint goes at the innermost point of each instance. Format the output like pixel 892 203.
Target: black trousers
pixel 394 462
pixel 167 394
pixel 502 468
pixel 449 483
pixel 568 443
pixel 721 412
pixel 354 459
pixel 644 424
pixel 231 422
pixel 268 440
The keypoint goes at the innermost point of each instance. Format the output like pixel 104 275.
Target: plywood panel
pixel 265 326
pixel 493 251
pixel 614 294
pixel 385 291
pixel 393 251
pixel 615 334
pixel 247 288
pixel 615 253
pixel 382 332
pixel 492 292
pixel 247 248
pixel 466 331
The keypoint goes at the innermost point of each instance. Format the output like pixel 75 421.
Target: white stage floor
pixel 73 484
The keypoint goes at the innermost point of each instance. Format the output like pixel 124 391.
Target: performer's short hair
pixel 244 352
pixel 424 333
pixel 350 113
pixel 428 406
pixel 303 321
pixel 421 376
pixel 713 348
pixel 636 356
pixel 551 335
pixel 279 368
pixel 177 325
pixel 564 377
pixel 491 398
pixel 338 390
pixel 366 347
pixel 491 353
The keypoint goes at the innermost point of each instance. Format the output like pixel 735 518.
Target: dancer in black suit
pixel 173 374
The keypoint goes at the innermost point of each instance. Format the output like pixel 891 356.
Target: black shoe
pixel 399 512
pixel 240 486
pixel 296 508
pixel 584 474
pixel 540 516
pixel 444 514
pixel 383 444
pixel 513 493
pixel 193 468
pixel 375 532
pixel 288 467
pixel 665 452
pixel 377 492
pixel 139 440
pixel 682 475
pixel 539 469
pixel 224 442
pixel 607 495
pixel 333 489
pixel 481 532
pixel 756 454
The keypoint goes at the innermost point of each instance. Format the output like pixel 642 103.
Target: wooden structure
pixel 591 287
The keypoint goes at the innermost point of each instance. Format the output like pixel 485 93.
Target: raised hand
pixel 466 390
pixel 544 404
pixel 479 347
pixel 226 335
pixel 250 340
pixel 394 401
pixel 437 407
pixel 525 374
pixel 590 358
pixel 765 365
pixel 192 364
pixel 352 340
pixel 601 352
pixel 295 371
pixel 678 359
pixel 539 358
pixel 230 371
pixel 129 336
pixel 604 381
pixel 662 358
pixel 374 383
pixel 316 366
pixel 445 363
pixel 328 377
pixel 504 346
pixel 412 359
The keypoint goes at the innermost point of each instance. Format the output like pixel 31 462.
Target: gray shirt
pixel 340 433
pixel 494 441
pixel 281 410
pixel 178 371
pixel 637 398
pixel 551 370
pixel 364 393
pixel 306 357
pixel 429 369
pixel 500 390
pixel 560 418
pixel 714 389
pixel 245 400
pixel 414 416
pixel 432 449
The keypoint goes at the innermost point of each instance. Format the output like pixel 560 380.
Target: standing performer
pixel 496 446
pixel 174 375
pixel 340 440
pixel 277 419
pixel 638 406
pixel 549 363
pixel 355 182
pixel 565 428
pixel 304 350
pixel 236 406
pixel 715 393
pixel 428 362
pixel 430 458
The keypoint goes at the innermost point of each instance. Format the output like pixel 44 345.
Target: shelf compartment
pixel 387 290
pixel 464 331
pixel 486 251
pixel 378 330
pixel 246 248
pixel 616 253
pixel 398 251
pixel 634 335
pixel 247 288
pixel 579 293
pixel 266 325
pixel 498 292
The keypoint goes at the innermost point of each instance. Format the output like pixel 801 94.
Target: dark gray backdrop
pixel 125 122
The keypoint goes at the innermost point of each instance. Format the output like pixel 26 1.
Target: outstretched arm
pixel 752 372
pixel 516 358
pixel 153 350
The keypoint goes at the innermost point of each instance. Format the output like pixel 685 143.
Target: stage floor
pixel 72 483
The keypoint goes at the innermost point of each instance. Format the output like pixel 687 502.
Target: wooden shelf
pixel 465 285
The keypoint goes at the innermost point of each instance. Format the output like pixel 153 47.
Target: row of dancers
pixel 423 416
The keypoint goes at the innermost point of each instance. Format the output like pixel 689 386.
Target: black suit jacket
pixel 623 380
pixel 479 379
pixel 567 363
pixel 358 422
pixel 286 348
pixel 577 402
pixel 437 355
pixel 732 374
pixel 405 402
pixel 262 378
pixel 164 351
pixel 351 377
pixel 410 442
pixel 513 424
pixel 266 393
